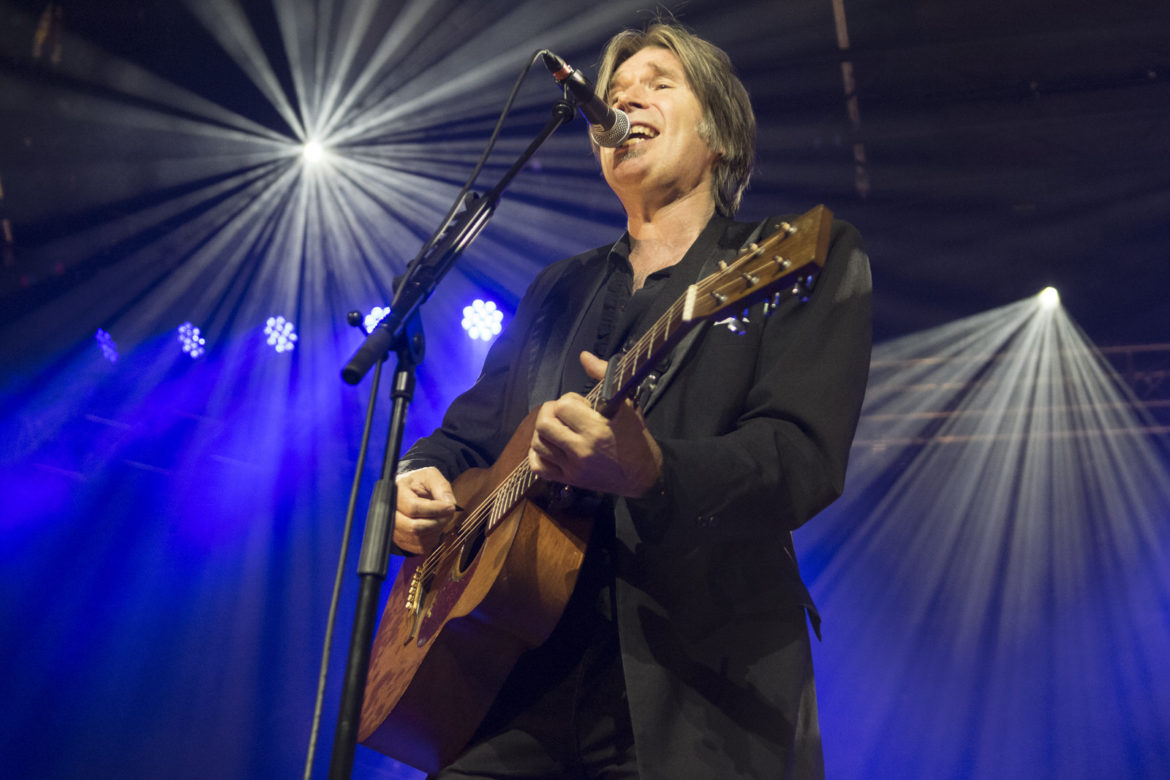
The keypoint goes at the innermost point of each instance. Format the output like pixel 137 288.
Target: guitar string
pixel 472 522
pixel 702 287
pixel 627 363
pixel 449 546
pixel 475 520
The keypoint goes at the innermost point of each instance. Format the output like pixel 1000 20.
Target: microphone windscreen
pixel 617 134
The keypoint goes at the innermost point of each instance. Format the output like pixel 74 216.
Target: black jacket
pixel 755 431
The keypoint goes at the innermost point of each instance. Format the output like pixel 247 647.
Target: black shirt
pixel 617 316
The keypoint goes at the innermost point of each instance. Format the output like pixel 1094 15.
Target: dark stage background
pixel 995 583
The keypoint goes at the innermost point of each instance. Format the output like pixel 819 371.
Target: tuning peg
pixel 735 325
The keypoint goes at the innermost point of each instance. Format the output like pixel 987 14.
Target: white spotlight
pixel 1049 298
pixel 313 152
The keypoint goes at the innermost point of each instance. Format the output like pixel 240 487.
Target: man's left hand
pixel 576 445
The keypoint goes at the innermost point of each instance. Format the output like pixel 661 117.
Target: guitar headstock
pixel 789 258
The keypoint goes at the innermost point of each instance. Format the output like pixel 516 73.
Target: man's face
pixel 664 157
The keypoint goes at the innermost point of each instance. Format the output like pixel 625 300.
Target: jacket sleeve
pixel 482 419
pixel 782 455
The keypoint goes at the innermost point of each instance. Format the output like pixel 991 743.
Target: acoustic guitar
pixel 459 617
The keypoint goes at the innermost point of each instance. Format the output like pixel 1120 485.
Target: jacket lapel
pixel 552 334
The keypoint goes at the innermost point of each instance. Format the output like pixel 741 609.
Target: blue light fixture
pixel 106 342
pixel 281 334
pixel 374 317
pixel 482 320
pixel 193 343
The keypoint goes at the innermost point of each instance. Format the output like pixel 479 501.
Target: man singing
pixel 684 651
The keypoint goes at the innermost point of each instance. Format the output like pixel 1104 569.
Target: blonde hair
pixel 728 126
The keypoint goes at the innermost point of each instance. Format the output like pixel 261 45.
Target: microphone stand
pixel 397 331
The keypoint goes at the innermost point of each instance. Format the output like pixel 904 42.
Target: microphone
pixel 611 126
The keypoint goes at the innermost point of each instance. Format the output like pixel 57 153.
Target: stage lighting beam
pixel 1004 489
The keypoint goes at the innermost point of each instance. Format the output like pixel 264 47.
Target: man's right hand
pixel 426 506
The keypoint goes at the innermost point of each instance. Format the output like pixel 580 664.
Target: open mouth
pixel 640 133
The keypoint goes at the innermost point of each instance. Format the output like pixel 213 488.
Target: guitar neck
pixel 791 257
pixel 627 371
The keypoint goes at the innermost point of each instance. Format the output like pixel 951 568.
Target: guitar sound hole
pixel 470 550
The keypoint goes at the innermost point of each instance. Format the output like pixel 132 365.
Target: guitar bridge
pixel 414 594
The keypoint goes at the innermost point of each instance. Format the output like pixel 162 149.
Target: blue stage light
pixel 374 317
pixel 106 342
pixel 280 333
pixel 193 343
pixel 482 320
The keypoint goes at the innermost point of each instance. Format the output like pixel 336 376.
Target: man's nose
pixel 631 98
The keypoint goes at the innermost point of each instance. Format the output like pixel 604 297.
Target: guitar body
pixel 434 671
